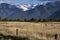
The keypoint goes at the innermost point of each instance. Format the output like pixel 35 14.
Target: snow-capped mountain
pixel 7 10
pixel 26 7
pixel 28 11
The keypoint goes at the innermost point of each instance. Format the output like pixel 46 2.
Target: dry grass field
pixel 35 31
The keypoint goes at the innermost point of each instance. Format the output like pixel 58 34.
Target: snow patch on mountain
pixel 26 7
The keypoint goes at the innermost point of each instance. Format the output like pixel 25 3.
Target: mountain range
pixel 38 11
pixel 55 16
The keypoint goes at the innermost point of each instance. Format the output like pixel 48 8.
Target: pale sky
pixel 24 1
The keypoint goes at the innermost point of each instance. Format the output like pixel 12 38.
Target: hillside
pixel 34 11
pixel 43 30
pixel 55 15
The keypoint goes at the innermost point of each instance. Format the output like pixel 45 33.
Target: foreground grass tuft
pixel 2 37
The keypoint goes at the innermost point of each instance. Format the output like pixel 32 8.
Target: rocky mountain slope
pixel 39 11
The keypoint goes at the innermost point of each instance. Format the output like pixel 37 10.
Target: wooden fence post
pixel 16 32
pixel 56 36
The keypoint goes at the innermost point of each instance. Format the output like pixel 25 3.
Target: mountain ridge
pixel 55 16
pixel 40 11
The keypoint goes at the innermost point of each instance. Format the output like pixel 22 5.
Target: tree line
pixel 31 20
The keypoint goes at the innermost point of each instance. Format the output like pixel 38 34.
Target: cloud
pixel 25 1
pixel 8 1
pixel 1 1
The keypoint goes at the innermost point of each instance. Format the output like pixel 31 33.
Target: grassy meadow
pixel 31 30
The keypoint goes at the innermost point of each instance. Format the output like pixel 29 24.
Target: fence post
pixel 56 36
pixel 16 32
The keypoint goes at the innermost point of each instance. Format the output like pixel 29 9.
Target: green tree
pixel 39 20
pixel 0 18
pixel 25 19
pixel 5 19
pixel 32 19
pixel 44 20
